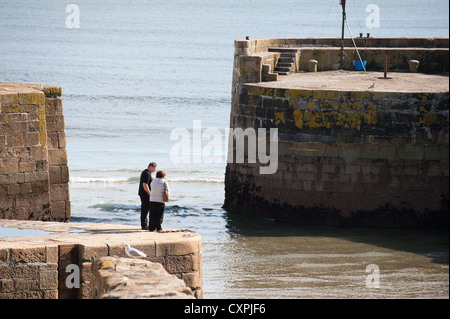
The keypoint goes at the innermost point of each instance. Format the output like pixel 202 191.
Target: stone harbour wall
pixel 29 273
pixel 345 156
pixel 36 267
pixel 250 56
pixel 34 174
pixel 128 278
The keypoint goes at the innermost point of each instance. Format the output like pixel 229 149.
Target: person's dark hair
pixel 152 164
pixel 160 174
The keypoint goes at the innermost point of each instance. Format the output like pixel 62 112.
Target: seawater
pixel 136 70
pixel 19 232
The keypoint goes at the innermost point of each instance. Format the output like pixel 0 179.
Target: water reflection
pixel 431 242
pixel 266 259
pixel 19 232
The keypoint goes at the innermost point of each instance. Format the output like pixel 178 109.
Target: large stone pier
pixel 34 175
pixel 354 148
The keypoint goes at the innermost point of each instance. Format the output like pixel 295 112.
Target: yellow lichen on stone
pixel 295 94
pixel 279 118
pixel 426 117
pixel 106 264
pixel 354 121
pixel 254 90
pixel 315 119
pixel 10 108
pixel 9 100
pixel 298 118
pixel 370 117
pixel 340 119
pixel 356 106
pixel 32 98
pixel 311 105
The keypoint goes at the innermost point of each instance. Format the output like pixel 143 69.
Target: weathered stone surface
pixel 32 153
pixel 44 258
pixel 28 280
pixel 353 149
pixel 127 278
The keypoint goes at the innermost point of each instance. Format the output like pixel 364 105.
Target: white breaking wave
pixel 132 180
pixel 99 180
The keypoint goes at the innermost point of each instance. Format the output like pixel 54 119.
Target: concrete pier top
pixel 92 234
pixel 342 80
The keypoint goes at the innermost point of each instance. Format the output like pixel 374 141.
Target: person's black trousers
pixel 145 207
pixel 156 215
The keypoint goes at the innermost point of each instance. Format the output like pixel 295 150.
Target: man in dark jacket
pixel 144 193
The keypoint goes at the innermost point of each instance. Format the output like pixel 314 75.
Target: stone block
pixel 197 261
pixel 10 272
pixel 31 139
pixel 39 153
pixel 57 157
pixel 85 271
pixel 55 174
pixel 192 279
pixel 145 280
pixel 50 294
pixel 37 176
pixel 6 286
pixel 12 178
pixel 48 277
pixel 179 264
pixel 436 152
pixel 55 123
pixel 52 140
pixel 51 254
pixel 33 98
pixel 14 140
pixel 4 255
pixel 61 139
pixel 176 248
pixel 59 105
pixel 27 166
pixel 14 189
pixel 40 187
pixel 28 255
pixel 50 108
pixel 26 284
pixel 348 151
pixel 410 152
pixel 91 252
pixel 51 91
pixel 64 170
pixel 59 192
pixel 370 151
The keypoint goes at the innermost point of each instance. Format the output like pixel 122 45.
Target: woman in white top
pixel 158 187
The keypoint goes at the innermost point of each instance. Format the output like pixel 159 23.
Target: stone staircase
pixel 286 62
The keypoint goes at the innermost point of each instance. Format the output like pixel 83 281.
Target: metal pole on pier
pixel 342 37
